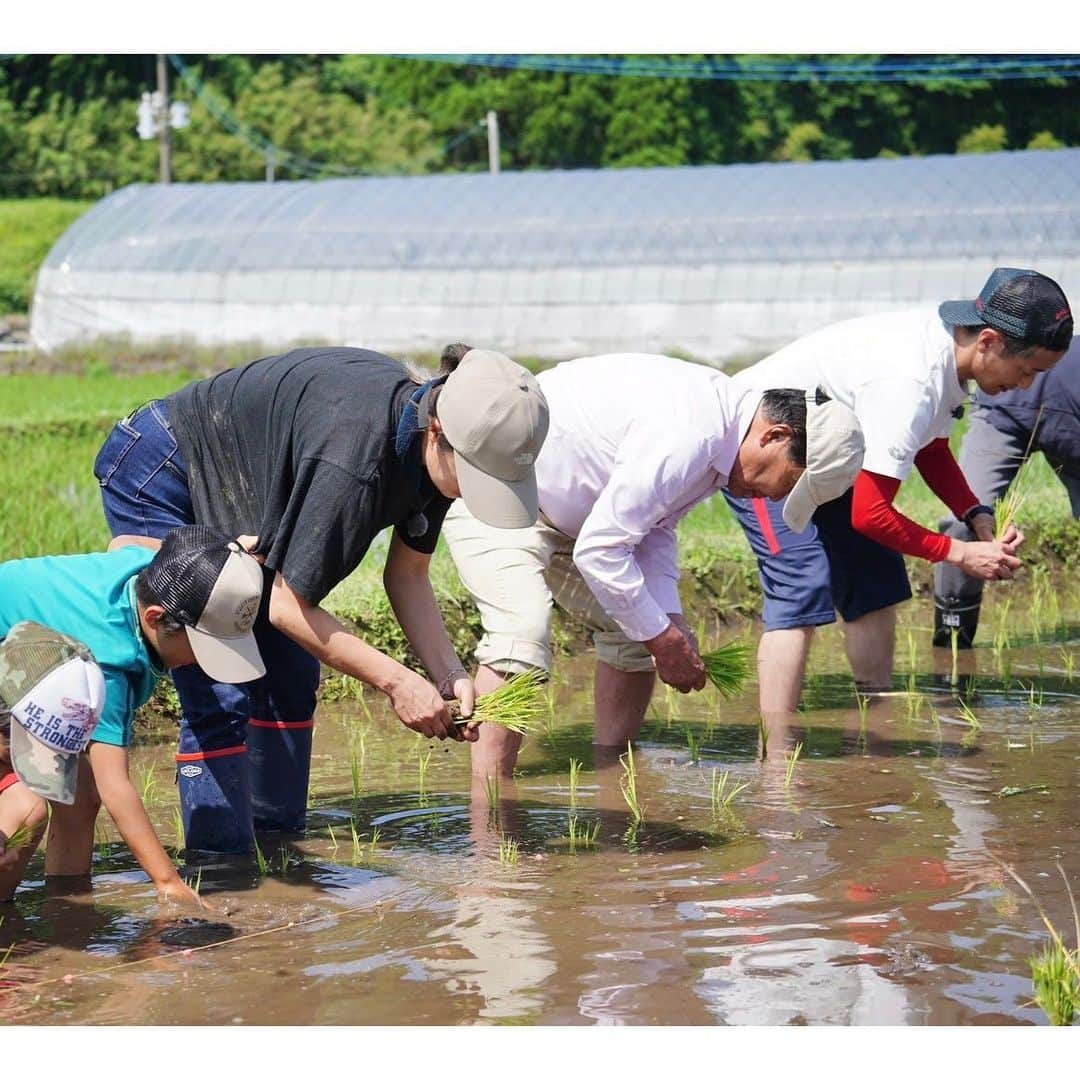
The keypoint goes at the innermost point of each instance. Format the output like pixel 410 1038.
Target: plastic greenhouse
pixel 713 261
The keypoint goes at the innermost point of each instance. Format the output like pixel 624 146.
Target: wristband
pixel 446 683
pixel 974 512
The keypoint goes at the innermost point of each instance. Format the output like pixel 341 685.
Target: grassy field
pixel 53 425
pixel 29 228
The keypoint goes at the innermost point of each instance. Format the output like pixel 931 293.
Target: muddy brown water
pixel 861 888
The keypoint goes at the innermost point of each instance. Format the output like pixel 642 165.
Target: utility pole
pixel 164 127
pixel 492 122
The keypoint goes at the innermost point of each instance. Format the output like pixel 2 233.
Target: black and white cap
pixel 210 584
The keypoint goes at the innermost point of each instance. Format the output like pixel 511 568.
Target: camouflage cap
pixel 54 693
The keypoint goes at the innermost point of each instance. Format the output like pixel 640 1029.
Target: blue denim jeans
pixel 245 750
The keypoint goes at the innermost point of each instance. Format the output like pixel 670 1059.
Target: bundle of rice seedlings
pixel 728 667
pixel 517 705
pixel 1008 506
pixel 19 838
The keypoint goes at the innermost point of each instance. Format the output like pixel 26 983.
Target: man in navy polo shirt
pixel 1005 430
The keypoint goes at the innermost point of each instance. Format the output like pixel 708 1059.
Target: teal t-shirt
pixel 92 598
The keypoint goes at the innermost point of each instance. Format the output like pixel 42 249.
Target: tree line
pixel 67 123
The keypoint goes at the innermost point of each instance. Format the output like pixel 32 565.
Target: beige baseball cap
pixel 214 587
pixel 834 455
pixel 494 414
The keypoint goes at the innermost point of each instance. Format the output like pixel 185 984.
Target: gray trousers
pixel 990 459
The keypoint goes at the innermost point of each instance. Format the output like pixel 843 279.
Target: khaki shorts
pixel 515 575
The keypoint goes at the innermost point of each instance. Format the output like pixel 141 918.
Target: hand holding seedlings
pixel 989 561
pixel 516 705
pixel 677 661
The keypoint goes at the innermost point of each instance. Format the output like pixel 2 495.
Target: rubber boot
pixel 959 614
pixel 215 801
pixel 279 759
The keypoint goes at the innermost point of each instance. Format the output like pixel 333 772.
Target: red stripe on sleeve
pixel 873 514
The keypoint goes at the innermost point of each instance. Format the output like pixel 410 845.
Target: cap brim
pixel 227 660
pixel 960 313
pixel 502 504
pixel 800 505
pixel 46 772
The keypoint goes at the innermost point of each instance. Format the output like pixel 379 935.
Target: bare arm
pixel 110 766
pixel 413 698
pixel 408 586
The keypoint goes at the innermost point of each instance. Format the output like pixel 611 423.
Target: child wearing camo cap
pixel 51 694
pixel 141 613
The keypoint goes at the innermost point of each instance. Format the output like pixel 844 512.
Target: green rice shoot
pixel 728 667
pixel 1009 505
pixel 792 761
pixel 628 786
pixel 20 837
pixel 517 705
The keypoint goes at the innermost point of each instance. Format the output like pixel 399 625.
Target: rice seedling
pixel 1069 660
pixel 423 761
pixel 356 769
pixel 968 716
pixel 792 760
pixel 728 667
pixel 20 837
pixel 721 794
pixel 628 786
pixel 1009 505
pixel 508 851
pixel 693 746
pixel 260 861
pixel 913 653
pixel 147 785
pixel 763 734
pixel 178 828
pixel 1056 984
pixel 575 774
pixel 672 700
pixel 374 843
pixel 581 836
pixel 549 720
pixel 516 705
pixel 862 703
pixel 1055 975
pixel 913 704
pixel 196 887
pixel 1035 697
pixel 333 838
pixel 492 792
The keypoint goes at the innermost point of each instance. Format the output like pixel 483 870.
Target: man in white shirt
pixel 905 375
pixel 634 442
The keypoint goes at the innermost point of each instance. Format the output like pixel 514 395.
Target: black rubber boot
pixel 955 613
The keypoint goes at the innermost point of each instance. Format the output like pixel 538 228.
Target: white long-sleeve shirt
pixel 636 440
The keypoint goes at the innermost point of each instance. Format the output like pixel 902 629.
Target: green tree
pixel 984 139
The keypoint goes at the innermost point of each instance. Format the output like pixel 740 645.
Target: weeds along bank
pixel 53 421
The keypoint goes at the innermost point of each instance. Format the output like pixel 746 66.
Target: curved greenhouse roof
pixel 712 260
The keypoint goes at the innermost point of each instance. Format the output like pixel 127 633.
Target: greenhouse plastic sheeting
pixel 713 260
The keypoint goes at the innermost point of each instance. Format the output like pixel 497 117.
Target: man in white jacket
pixel 635 441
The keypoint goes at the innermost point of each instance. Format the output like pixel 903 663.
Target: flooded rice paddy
pixel 853 882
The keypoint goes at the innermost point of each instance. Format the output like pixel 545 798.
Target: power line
pixel 269 150
pixel 754 69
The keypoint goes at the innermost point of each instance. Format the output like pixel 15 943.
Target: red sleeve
pixel 873 514
pixel 943 477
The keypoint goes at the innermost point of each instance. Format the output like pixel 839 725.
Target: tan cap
pixel 834 455
pixel 495 416
pixel 214 587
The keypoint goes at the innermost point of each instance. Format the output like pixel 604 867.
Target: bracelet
pixel 974 512
pixel 446 683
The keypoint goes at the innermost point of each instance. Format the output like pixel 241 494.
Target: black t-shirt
pixel 1053 398
pixel 299 449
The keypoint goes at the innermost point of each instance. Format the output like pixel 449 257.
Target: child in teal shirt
pixel 140 613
